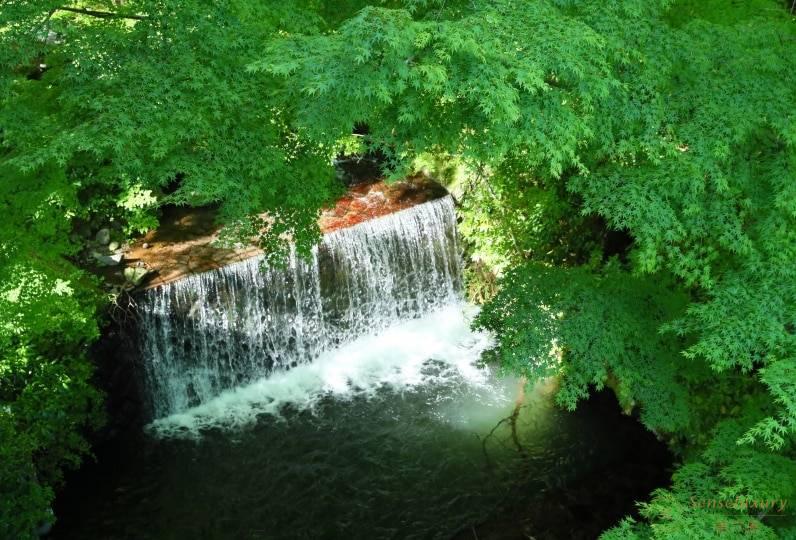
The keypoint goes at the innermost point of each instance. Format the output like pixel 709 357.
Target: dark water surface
pixel 372 449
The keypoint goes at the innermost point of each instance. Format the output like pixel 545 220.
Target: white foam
pixel 397 357
pixel 206 333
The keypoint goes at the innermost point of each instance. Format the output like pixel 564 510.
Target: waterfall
pixel 216 330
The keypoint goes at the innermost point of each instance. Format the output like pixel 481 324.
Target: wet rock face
pixel 184 243
pixel 116 358
pixel 367 201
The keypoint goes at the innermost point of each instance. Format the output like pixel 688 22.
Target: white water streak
pixel 437 348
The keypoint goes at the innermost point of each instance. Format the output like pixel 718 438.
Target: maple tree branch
pixel 101 14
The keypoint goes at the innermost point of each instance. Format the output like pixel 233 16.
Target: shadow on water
pixel 622 464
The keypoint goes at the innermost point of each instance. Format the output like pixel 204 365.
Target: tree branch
pixel 101 14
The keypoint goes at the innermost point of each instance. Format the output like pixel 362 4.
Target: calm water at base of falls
pixel 397 435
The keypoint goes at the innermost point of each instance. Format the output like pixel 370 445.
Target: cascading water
pixel 220 329
pixel 342 397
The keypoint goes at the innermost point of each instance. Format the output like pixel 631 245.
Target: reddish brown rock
pixel 183 244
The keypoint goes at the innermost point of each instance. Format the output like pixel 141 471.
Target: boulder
pixel 137 275
pixel 103 236
pixel 107 260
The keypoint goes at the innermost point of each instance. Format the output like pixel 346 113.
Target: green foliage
pixel 442 83
pixel 780 378
pixel 124 105
pixel 702 179
pixel 512 214
pixel 46 323
pixel 729 491
pixel 628 166
pixel 672 124
pixel 590 329
pixel 108 112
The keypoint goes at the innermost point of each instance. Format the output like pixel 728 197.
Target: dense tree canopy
pixel 626 167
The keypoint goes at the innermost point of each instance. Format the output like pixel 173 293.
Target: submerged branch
pixel 512 421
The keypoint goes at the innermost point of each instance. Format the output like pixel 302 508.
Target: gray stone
pixel 137 275
pixel 113 246
pixel 145 245
pixel 103 236
pixel 49 37
pixel 107 260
